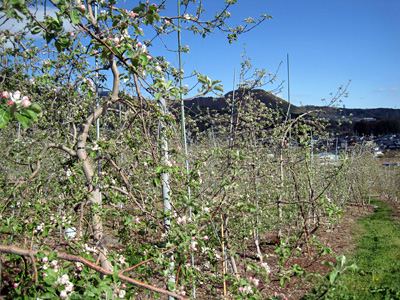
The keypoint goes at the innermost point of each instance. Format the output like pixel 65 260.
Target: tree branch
pixel 89 264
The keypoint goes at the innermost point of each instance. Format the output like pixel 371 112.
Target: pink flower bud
pixel 9 102
pixel 5 94
pixel 25 101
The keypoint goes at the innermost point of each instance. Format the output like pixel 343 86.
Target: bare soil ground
pixel 341 240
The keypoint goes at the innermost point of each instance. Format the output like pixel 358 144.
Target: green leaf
pixel 327 263
pixel 36 30
pixel 219 88
pixel 36 108
pixel 58 46
pixel 75 17
pixel 48 296
pixel 129 54
pixel 282 281
pixel 353 266
pixel 115 275
pixel 17 2
pixel 4 118
pixel 156 181
pixel 341 259
pixel 252 208
pixel 23 119
pixel 51 277
pixel 52 256
pixel 49 37
pixel 333 275
pixel 30 114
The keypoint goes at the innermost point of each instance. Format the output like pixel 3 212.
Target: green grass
pixel 377 256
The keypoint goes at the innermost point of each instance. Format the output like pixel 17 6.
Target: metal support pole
pixel 166 186
pixel 183 126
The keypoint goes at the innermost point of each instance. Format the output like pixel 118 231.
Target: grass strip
pixel 377 256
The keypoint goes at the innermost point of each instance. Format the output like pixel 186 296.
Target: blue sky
pixel 328 42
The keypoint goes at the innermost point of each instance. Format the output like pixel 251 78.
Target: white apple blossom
pixel 121 294
pixel 63 294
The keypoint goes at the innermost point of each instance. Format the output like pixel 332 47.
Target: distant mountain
pixel 270 100
pixel 359 113
pixel 220 104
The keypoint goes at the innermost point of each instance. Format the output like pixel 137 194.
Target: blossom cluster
pixel 79 5
pixel 89 83
pixel 193 244
pixel 280 296
pixel 15 98
pixel 205 208
pixel 246 290
pixel 62 280
pixel 181 291
pixel 121 259
pixel 255 281
pixel 88 249
pixel 79 266
pixel 68 285
pixel 120 293
pixel 205 250
pixel 183 220
pixel 39 228
pixel 266 267
pixel 69 173
pixel 64 220
pixel 53 263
